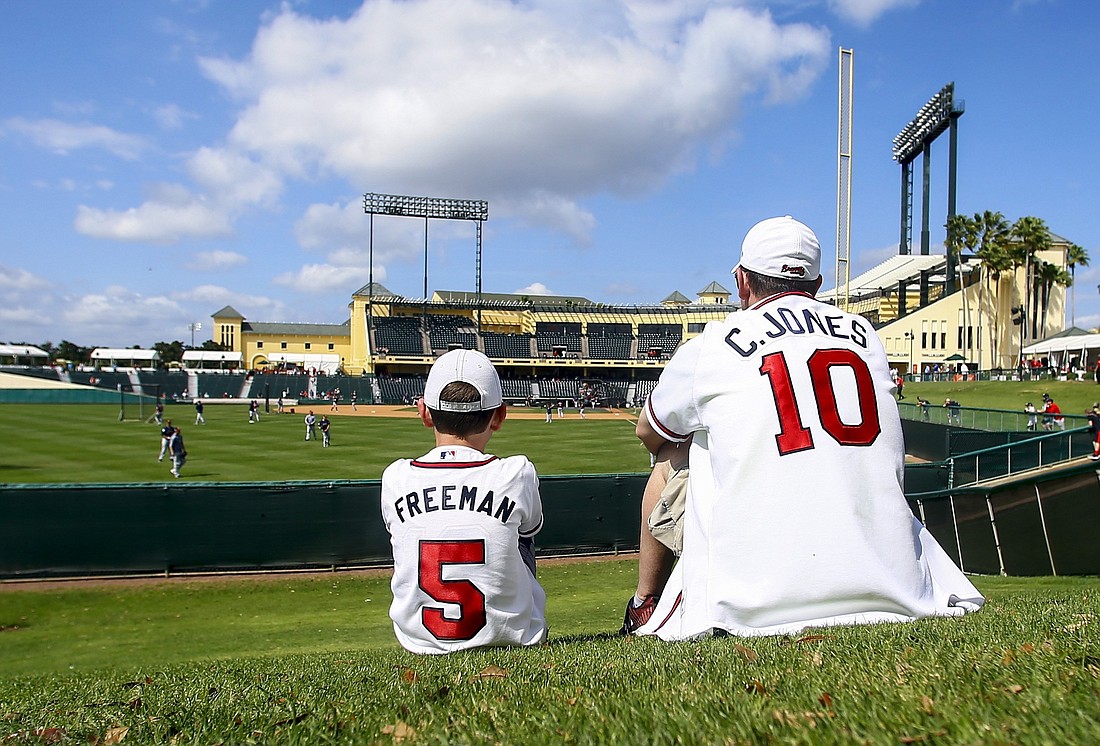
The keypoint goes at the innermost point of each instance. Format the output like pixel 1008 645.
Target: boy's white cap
pixel 781 247
pixel 469 366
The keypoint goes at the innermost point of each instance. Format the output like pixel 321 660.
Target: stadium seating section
pixel 399 335
pixel 447 332
pixel 554 337
pixel 507 345
pixel 401 389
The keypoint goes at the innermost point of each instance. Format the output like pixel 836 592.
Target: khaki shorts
pixel 666 522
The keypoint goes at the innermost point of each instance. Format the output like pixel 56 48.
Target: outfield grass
pixel 1073 397
pixel 58 443
pixel 62 443
pixel 298 659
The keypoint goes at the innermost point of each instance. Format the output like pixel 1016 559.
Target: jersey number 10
pixel 793 436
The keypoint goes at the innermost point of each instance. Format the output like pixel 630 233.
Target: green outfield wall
pixel 76 530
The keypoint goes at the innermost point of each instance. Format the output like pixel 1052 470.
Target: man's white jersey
pixel 455 518
pixel 796 512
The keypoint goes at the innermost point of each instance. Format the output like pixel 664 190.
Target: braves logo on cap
pixel 800 271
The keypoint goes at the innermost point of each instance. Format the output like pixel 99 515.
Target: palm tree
pixel 1048 275
pixel 962 233
pixel 992 231
pixel 1030 236
pixel 1075 255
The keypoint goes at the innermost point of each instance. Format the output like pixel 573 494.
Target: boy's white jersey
pixel 796 512
pixel 455 518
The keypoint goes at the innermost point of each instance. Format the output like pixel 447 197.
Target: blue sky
pixel 163 159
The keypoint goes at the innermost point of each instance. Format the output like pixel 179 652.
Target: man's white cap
pixel 469 366
pixel 781 247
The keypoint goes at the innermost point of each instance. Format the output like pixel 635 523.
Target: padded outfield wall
pixel 76 530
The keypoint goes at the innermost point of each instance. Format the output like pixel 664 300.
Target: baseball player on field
pixel 794 514
pixel 462 523
pixel 166 434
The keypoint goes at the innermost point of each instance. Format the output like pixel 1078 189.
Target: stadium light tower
pixel 427 208
pixel 194 327
pixel 939 114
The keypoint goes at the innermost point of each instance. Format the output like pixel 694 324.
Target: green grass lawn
pixel 1072 396
pixel 85 443
pixel 295 659
pixel 58 443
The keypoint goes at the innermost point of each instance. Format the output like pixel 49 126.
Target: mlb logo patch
pixel 444 455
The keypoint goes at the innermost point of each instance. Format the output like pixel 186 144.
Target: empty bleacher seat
pixel 507 345
pixel 398 335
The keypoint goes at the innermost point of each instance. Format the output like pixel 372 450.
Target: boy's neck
pixel 477 441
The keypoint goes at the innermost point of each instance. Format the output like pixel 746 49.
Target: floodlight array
pixel 932 119
pixel 425 207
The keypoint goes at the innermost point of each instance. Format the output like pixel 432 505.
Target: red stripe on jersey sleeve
pixel 667 434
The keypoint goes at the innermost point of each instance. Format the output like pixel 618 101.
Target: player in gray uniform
pixel 179 452
pixel 311 426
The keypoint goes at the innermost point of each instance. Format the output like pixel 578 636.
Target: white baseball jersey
pixel 796 514
pixel 455 518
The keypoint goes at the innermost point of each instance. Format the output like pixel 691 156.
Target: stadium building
pixel 565 347
pixel 546 347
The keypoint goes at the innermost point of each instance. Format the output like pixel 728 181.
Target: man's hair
pixel 763 286
pixel 462 424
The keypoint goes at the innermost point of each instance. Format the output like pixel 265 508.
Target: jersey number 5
pixel 793 436
pixel 434 555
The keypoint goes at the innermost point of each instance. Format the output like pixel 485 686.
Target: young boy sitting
pixel 462 523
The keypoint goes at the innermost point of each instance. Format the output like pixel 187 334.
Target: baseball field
pixel 312 658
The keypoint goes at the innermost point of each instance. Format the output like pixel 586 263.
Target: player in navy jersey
pixel 165 436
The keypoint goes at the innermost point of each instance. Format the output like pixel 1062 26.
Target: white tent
pixel 327 364
pixel 125 358
pixel 23 355
pixel 212 359
pixel 1081 350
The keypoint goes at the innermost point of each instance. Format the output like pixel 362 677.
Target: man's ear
pixel 424 412
pixel 499 415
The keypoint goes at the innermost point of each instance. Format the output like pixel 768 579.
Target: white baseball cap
pixel 468 366
pixel 781 247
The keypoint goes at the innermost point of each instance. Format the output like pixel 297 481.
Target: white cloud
pixel 864 12
pixel 117 310
pixel 535 288
pixel 20 280
pixel 172 116
pixel 206 261
pixel 23 316
pixel 209 298
pixel 171 214
pixel 233 179
pixel 533 105
pixel 324 278
pixel 343 232
pixel 64 137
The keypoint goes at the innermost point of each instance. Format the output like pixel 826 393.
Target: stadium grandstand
pixel 547 348
pixel 569 348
